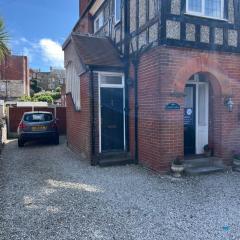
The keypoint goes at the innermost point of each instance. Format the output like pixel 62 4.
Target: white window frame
pixel 100 75
pixel 202 13
pixel 115 12
pixel 100 18
pixel 73 84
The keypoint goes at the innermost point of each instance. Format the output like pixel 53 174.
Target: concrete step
pixel 115 162
pixel 203 162
pixel 204 166
pixel 193 171
pixel 236 169
pixel 114 159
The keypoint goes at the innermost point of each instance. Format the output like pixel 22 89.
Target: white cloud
pixel 44 52
pixel 23 39
pixel 28 52
pixel 52 52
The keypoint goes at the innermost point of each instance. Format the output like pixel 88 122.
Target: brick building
pixel 48 80
pixel 14 77
pixel 156 79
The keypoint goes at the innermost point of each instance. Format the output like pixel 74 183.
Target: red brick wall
pixel 163 73
pixel 79 122
pixel 14 68
pixel 82 5
pixel 15 116
pixel 85 25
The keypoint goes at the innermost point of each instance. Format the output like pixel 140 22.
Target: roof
pixel 96 51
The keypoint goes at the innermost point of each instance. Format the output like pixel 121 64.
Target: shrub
pixel 58 89
pixel 25 99
pixel 43 98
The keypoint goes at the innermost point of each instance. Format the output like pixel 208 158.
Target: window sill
pixel 117 23
pixel 206 17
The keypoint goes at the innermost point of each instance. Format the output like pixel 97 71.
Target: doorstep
pixel 204 165
pixel 114 159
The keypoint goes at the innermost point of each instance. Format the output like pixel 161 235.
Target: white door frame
pixel 196 82
pixel 122 85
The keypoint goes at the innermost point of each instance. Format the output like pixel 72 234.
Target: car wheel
pixel 56 140
pixel 20 143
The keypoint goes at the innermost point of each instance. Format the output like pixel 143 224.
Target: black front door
pixel 189 120
pixel 112 118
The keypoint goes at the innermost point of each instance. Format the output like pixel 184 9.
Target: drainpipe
pixel 92 118
pixel 136 67
pixel 127 64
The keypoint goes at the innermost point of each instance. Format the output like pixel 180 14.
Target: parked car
pixel 36 126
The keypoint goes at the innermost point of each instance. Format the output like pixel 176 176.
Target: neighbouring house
pixel 48 81
pixel 14 77
pixel 157 79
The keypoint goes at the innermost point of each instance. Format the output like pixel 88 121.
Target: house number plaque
pixel 172 106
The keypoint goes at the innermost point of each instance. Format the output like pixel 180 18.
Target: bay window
pixel 206 8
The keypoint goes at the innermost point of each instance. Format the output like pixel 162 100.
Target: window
pixel 206 8
pixel 117 11
pixel 111 80
pixel 98 22
pixel 38 117
pixel 73 84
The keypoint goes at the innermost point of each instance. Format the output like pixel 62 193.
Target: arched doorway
pixel 196 114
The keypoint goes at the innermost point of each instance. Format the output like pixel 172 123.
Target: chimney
pixel 82 5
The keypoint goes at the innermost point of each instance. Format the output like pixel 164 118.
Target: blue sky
pixel 38 28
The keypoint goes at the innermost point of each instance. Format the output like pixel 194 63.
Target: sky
pixel 38 28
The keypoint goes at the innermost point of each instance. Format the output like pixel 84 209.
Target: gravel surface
pixel 47 192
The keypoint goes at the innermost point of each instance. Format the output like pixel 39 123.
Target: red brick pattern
pixel 163 72
pixel 16 68
pixel 79 122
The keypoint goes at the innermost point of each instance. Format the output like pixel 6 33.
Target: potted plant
pixel 208 150
pixel 177 167
pixel 236 159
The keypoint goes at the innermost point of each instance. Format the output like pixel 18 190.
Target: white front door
pixel 202 112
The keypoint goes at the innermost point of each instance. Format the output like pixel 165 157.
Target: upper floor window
pixel 117 11
pixel 98 22
pixel 206 8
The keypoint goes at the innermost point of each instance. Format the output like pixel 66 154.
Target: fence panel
pixel 15 115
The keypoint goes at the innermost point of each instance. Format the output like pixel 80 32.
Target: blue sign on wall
pixel 173 106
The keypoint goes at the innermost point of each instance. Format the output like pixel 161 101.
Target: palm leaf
pixel 4 50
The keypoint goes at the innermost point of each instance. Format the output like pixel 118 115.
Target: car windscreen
pixel 38 117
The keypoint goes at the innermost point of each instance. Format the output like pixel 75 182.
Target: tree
pixel 4 51
pixel 34 86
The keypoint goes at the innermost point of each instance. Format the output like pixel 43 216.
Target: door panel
pixel 189 120
pixel 112 119
pixel 202 117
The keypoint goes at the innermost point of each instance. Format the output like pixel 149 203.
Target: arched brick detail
pixel 203 64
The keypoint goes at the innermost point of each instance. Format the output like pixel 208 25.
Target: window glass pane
pixel 38 117
pixel 202 114
pixel 195 5
pixel 111 80
pixel 188 97
pixel 117 10
pixel 213 8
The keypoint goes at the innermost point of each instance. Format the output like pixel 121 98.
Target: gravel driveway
pixel 47 192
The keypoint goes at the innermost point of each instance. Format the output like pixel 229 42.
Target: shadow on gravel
pixel 41 199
